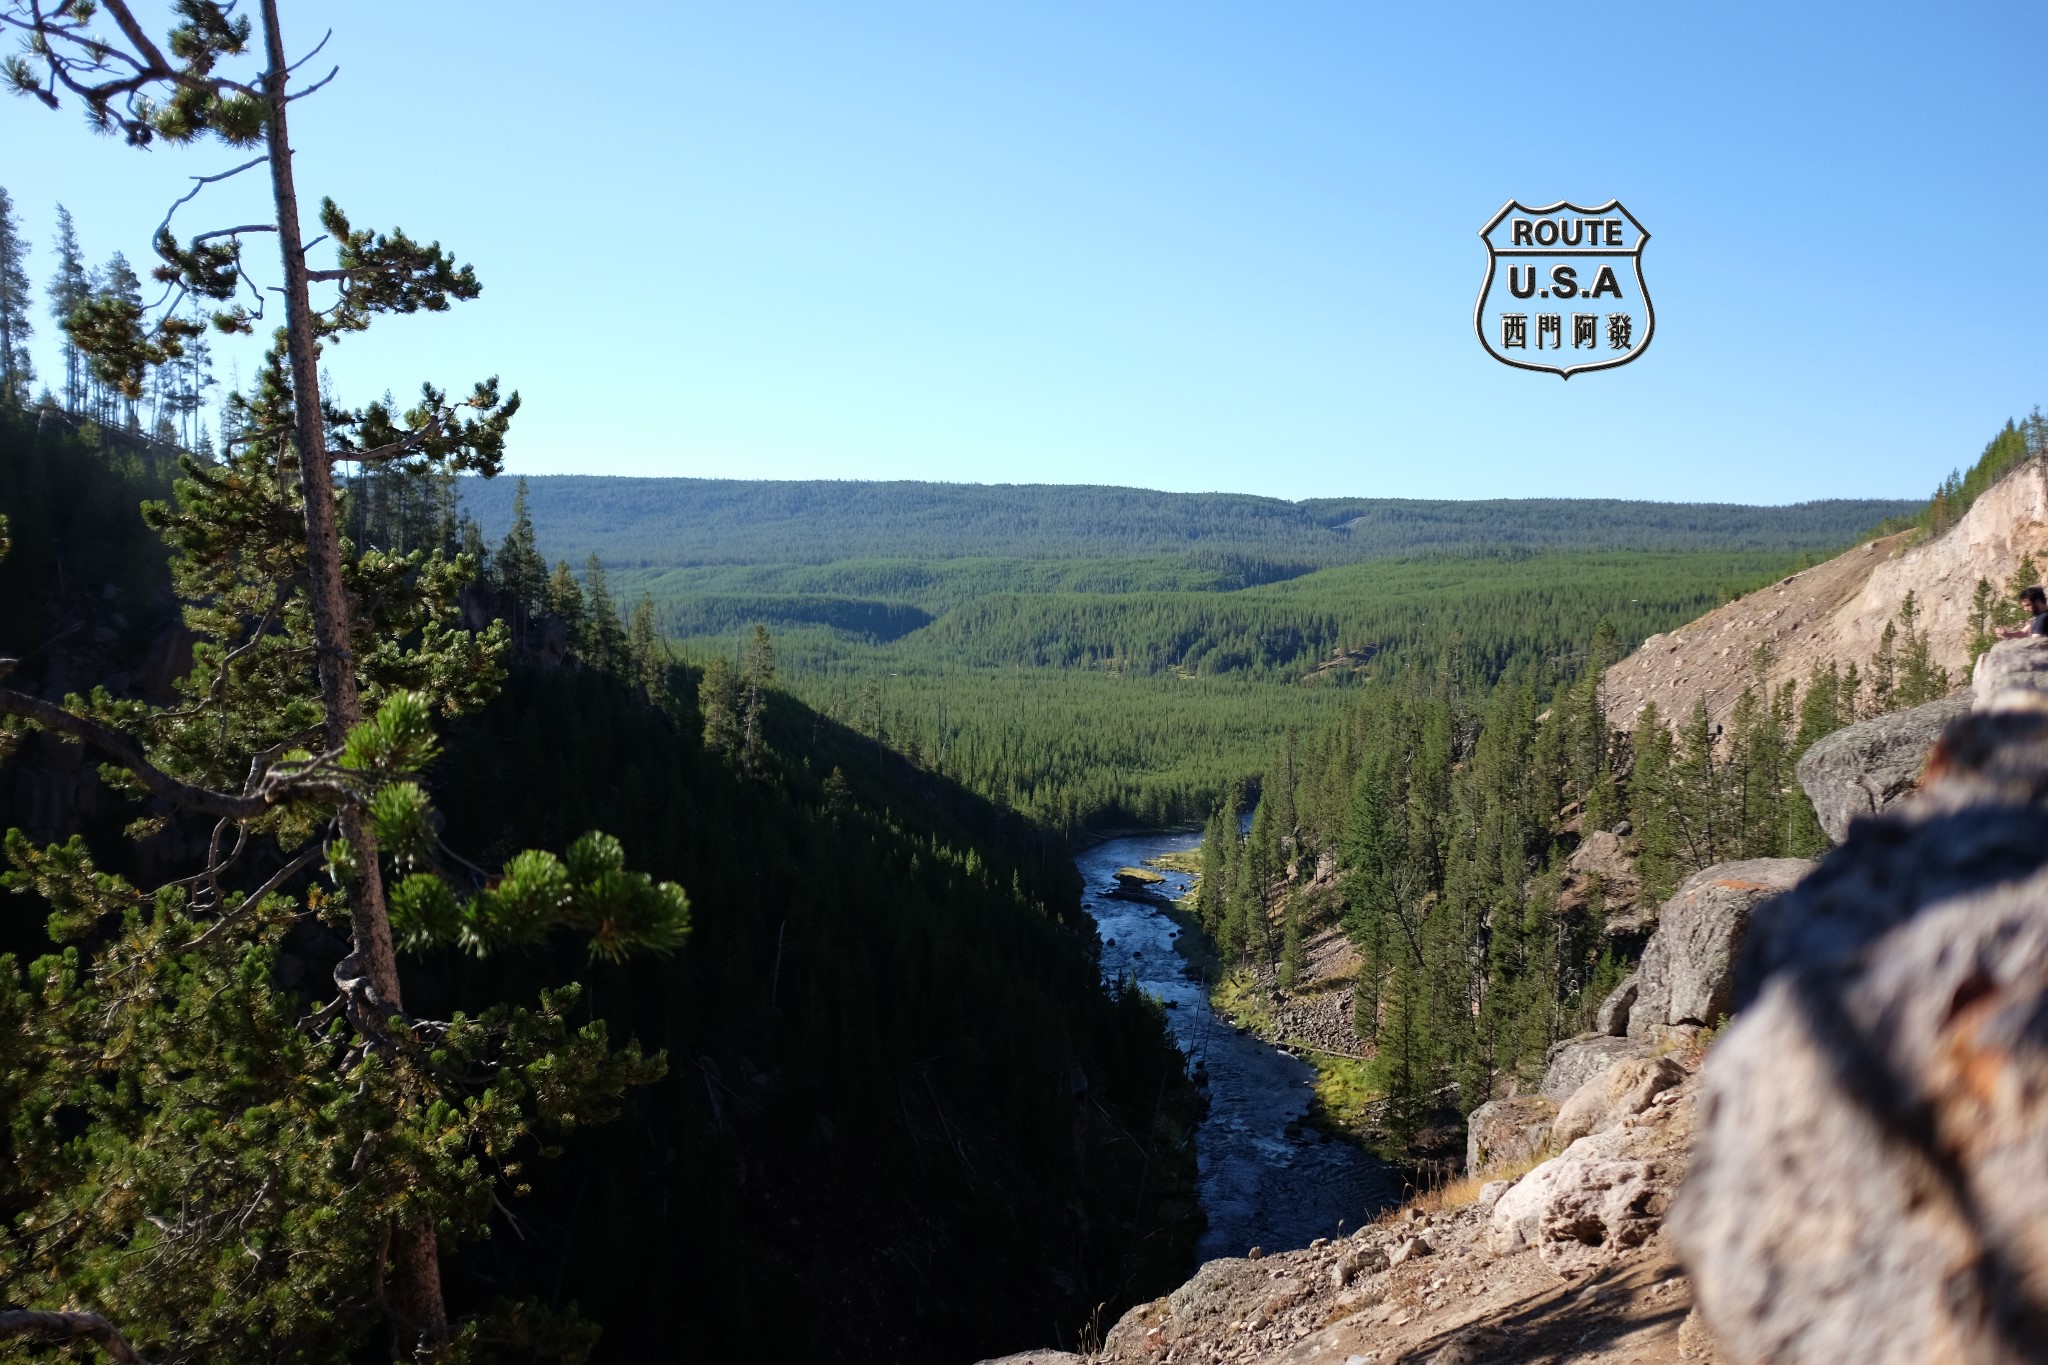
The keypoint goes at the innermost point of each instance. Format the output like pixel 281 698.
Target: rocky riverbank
pixel 1849 1169
pixel 1567 1262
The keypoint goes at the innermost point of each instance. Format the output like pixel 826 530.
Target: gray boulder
pixel 1503 1132
pixel 1686 975
pixel 1574 1061
pixel 1626 1088
pixel 1612 1016
pixel 1862 769
pixel 1869 1180
pixel 2013 676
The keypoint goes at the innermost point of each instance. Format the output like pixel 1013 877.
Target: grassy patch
pixel 1456 1194
pixel 1139 876
pixel 1344 1094
pixel 1239 997
pixel 1188 861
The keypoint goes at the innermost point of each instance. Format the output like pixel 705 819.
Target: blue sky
pixel 1185 246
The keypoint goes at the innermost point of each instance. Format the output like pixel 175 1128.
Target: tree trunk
pixel 416 1265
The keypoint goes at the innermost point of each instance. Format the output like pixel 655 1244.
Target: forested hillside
pixel 891 1067
pixel 641 523
pixel 1493 845
pixel 1103 656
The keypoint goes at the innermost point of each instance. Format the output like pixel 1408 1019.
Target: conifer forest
pixel 452 915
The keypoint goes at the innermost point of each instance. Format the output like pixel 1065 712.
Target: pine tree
pixel 1291 951
pixel 565 599
pixel 119 296
pixel 603 640
pixel 469 542
pixel 1983 618
pixel 1921 680
pixel 759 678
pixel 1286 822
pixel 839 798
pixel 522 574
pixel 1653 806
pixel 70 289
pixel 1212 885
pixel 718 701
pixel 1821 712
pixel 365 1137
pixel 17 371
pixel 646 655
pixel 1261 870
pixel 1884 671
pixel 1699 788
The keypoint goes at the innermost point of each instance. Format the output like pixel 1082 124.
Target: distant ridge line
pixel 653 521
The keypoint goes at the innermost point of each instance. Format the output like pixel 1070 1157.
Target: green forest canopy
pixel 1101 655
pixel 663 522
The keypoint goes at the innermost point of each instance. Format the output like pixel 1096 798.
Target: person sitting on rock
pixel 2036 601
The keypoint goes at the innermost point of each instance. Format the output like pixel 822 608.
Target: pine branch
pixel 126 752
pixel 24 1322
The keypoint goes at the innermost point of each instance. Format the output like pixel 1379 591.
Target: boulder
pixel 1039 1358
pixel 1489 1195
pixel 1686 975
pixel 1412 1249
pixel 1579 1209
pixel 1870 1175
pixel 1574 1061
pixel 1503 1132
pixel 1628 1087
pixel 1863 768
pixel 2012 676
pixel 1612 1016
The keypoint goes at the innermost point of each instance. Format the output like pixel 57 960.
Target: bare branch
pixel 310 55
pixel 26 1322
pixel 316 85
pixel 256 897
pixel 202 182
pixel 234 231
pixel 156 781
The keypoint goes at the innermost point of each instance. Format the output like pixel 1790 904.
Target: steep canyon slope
pixel 1836 612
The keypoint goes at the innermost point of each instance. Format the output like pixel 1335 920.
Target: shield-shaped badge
pixel 1564 288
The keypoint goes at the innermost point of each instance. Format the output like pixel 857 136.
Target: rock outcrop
pixel 2013 676
pixel 1506 1132
pixel 1621 1091
pixel 1574 1061
pixel 1612 1016
pixel 1686 975
pixel 1462 1284
pixel 1863 768
pixel 1871 1179
pixel 1601 862
pixel 1577 1210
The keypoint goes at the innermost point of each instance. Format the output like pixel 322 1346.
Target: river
pixel 1267 1177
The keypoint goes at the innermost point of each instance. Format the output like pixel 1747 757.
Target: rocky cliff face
pixel 1836 612
pixel 1870 1181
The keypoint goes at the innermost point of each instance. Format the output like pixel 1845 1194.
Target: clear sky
pixel 1179 245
